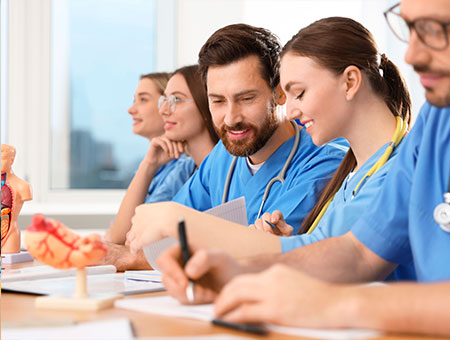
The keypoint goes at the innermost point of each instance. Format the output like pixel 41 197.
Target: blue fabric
pixel 344 211
pixel 400 226
pixel 309 170
pixel 169 179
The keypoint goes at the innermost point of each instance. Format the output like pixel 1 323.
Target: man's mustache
pixel 426 69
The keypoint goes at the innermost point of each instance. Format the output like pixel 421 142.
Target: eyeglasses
pixel 172 100
pixel 431 32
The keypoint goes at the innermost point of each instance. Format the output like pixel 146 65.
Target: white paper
pixel 96 285
pixel 114 329
pixel 46 272
pixel 233 211
pixel 168 306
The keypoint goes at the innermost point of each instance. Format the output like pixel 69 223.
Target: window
pixel 98 51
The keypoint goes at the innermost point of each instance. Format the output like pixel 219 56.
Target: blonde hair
pixel 159 78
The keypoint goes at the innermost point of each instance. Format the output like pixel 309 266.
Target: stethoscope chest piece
pixel 442 213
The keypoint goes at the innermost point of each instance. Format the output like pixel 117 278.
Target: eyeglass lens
pixel 429 31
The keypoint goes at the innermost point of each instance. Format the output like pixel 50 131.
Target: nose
pixel 164 109
pixel 417 53
pixel 292 112
pixel 233 115
pixel 132 109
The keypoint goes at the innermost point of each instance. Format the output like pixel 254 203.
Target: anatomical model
pixel 53 243
pixel 14 192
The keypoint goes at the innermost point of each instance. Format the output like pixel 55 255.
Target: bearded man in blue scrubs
pixel 315 285
pixel 240 66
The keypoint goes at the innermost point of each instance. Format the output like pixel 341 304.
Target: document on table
pixel 47 272
pixel 96 284
pixel 233 211
pixel 114 329
pixel 168 306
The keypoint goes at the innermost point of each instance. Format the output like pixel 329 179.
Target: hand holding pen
pixel 273 223
pixel 185 252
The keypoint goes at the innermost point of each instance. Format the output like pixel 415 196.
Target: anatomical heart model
pixel 52 243
pixel 15 191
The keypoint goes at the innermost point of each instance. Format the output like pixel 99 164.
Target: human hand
pixel 210 269
pixel 283 296
pixel 120 256
pixel 276 218
pixel 162 150
pixel 149 224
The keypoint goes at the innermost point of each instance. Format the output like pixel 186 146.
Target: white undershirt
pixel 253 167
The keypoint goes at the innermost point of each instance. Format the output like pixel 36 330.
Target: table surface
pixel 18 309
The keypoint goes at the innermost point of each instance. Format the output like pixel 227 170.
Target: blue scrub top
pixel 344 211
pixel 169 179
pixel 308 172
pixel 400 226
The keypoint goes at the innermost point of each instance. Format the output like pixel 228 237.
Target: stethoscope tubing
pixel 279 178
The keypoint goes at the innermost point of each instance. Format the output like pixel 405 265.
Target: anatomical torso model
pixel 15 191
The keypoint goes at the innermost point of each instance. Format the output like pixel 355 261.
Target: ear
pixel 280 96
pixel 352 78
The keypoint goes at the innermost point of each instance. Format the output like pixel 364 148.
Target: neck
pixel 283 133
pixel 199 147
pixel 372 127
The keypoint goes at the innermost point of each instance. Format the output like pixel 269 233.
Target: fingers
pixel 242 290
pixel 176 280
pixel 278 219
pixel 204 261
pixel 260 224
pixel 173 149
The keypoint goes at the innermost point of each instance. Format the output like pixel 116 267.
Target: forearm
pixel 135 195
pixel 337 259
pixel 207 231
pixel 401 307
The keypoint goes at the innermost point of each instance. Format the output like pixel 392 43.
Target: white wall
pixel 198 19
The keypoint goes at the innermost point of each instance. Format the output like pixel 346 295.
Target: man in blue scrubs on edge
pixel 409 223
pixel 240 65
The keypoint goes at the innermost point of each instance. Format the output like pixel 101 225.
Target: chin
pixel 438 101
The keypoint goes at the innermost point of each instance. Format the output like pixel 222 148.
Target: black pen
pixel 246 327
pixel 186 254
pixel 273 226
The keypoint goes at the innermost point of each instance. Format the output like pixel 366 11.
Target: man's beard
pixel 430 94
pixel 247 147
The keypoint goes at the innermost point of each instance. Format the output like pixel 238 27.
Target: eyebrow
pixel 177 93
pixel 144 93
pixel 237 95
pixel 290 84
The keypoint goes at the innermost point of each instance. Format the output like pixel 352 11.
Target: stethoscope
pixel 442 211
pixel 279 178
pixel 401 128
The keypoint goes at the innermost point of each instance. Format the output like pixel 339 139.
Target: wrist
pixel 347 307
pixel 148 167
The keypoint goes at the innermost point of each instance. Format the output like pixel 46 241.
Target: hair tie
pixel 381 63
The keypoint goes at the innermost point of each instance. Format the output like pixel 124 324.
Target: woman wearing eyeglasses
pixel 185 129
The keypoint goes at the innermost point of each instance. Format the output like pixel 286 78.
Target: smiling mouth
pixel 238 132
pixel 309 124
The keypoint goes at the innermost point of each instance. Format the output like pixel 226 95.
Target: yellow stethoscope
pixel 278 178
pixel 400 131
